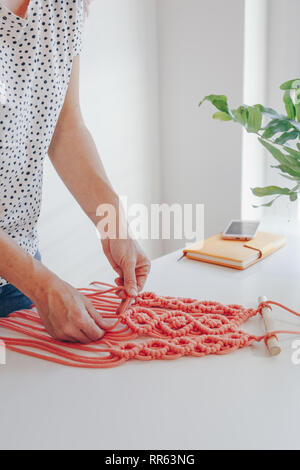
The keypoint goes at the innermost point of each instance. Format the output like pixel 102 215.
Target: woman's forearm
pixel 20 268
pixel 75 157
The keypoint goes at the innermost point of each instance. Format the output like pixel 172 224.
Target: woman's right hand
pixel 66 314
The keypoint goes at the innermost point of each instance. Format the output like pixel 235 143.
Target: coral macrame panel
pixel 153 327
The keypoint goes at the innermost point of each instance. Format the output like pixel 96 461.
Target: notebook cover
pixel 239 251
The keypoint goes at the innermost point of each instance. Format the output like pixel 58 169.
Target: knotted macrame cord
pixel 153 327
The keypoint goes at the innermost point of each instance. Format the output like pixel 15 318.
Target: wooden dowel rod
pixel 272 342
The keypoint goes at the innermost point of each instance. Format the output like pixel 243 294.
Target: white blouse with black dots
pixel 36 55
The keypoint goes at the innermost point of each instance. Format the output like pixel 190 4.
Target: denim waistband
pixel 12 299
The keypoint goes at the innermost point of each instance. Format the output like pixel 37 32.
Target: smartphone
pixel 241 230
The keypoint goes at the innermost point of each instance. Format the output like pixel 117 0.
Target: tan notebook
pixel 238 254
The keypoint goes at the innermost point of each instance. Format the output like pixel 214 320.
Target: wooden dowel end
pixel 272 342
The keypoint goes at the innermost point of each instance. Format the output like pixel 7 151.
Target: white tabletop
pixel 244 400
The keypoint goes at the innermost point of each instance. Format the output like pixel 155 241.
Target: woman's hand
pixel 66 314
pixel 130 262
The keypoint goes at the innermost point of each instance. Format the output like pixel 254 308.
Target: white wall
pixel 255 91
pixel 119 97
pixel 201 52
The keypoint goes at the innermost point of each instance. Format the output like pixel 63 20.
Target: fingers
pixel 130 283
pixel 82 330
pixel 96 316
pixel 57 333
pixel 73 336
pixel 121 292
pixel 80 337
pixel 142 273
pixel 91 329
pixel 88 321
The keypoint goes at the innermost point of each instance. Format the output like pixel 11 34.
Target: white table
pixel 243 400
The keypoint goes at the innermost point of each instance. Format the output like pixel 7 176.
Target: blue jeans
pixel 11 299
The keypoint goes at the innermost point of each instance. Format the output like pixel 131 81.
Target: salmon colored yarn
pixel 153 327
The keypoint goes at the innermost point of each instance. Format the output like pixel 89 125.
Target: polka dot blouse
pixel 36 55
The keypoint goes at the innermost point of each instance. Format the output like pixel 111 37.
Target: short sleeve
pixel 79 27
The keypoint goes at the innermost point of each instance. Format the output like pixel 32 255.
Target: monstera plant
pixel 278 133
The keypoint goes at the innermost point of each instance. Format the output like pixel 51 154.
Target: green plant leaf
pixel 295 124
pixel 290 178
pixel 285 169
pixel 219 101
pixel 240 115
pixel 275 126
pixel 267 111
pixel 283 159
pixel 270 191
pixel 286 136
pixel 267 204
pixel 289 105
pixel 291 84
pixel 292 152
pixel 297 105
pixel 254 119
pixel 293 196
pixel 222 116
